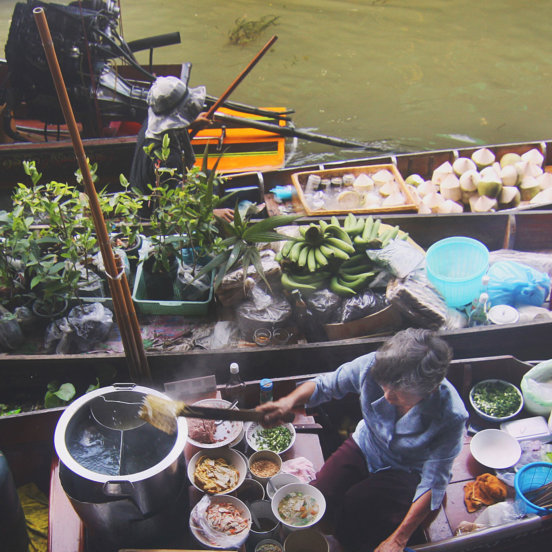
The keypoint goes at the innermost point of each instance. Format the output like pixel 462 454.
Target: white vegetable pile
pixel 482 184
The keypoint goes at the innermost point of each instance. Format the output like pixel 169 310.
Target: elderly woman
pixel 384 480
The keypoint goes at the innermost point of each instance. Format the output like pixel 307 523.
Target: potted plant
pixel 240 246
pixel 182 225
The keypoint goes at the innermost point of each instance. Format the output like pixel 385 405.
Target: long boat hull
pixel 245 149
pixel 523 231
pixel 422 163
pixel 27 442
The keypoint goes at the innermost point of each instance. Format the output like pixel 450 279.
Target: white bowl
pixel 279 480
pixel 490 417
pixel 264 455
pixel 221 543
pixel 251 430
pixel 231 456
pixel 226 433
pixel 306 490
pixel 495 449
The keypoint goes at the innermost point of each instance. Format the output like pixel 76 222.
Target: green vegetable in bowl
pixel 496 398
pixel 276 439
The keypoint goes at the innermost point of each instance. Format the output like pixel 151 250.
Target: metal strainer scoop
pixel 116 414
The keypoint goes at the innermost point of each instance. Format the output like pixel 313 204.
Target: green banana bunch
pixel 317 246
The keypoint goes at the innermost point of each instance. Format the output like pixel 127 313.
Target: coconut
pixel 372 200
pixel 545 196
pixel 441 172
pixel 426 188
pixel 349 199
pixel 521 167
pixel 509 159
pixel 482 204
pixel 533 156
pixel 450 188
pixel 423 209
pixel 529 188
pixel 462 165
pixel 545 180
pixel 533 170
pixel 509 197
pixel 416 198
pixel 450 206
pixel 363 183
pixel 468 181
pixel 433 201
pixel 509 175
pixel 389 188
pixel 490 184
pixel 414 180
pixel 393 200
pixel 483 158
pixel 382 177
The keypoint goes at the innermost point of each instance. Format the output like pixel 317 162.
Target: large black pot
pixel 123 476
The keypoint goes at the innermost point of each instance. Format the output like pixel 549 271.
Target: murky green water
pixel 421 74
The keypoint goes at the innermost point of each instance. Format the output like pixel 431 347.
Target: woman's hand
pixel 274 412
pixel 391 544
pixel 224 214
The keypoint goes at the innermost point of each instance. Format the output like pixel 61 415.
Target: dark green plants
pixel 240 246
pixel 247 30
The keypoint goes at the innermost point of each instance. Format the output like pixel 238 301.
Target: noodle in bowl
pixel 298 505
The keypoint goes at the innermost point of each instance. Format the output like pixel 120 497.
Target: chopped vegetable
pixel 496 398
pixel 276 439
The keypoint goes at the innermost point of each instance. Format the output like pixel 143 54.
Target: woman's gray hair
pixel 413 360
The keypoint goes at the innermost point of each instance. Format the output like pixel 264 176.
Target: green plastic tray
pixel 150 306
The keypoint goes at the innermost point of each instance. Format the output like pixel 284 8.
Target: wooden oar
pixel 303 134
pixel 118 284
pixel 236 82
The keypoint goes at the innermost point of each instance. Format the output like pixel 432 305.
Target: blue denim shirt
pixel 425 440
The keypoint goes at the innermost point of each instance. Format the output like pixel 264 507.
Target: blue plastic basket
pixel 532 476
pixel 455 266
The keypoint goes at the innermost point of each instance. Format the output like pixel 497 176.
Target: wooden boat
pixel 245 149
pixel 27 442
pixel 521 231
pixel 422 163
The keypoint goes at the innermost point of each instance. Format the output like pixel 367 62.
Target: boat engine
pixel 86 41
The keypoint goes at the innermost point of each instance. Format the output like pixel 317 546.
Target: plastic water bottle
pixel 265 390
pixel 478 316
pixel 235 388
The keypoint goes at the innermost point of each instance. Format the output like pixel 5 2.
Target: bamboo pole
pixel 118 284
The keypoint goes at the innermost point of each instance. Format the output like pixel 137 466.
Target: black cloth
pixel 181 157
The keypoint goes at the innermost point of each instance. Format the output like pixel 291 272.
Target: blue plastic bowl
pixel 529 477
pixel 455 266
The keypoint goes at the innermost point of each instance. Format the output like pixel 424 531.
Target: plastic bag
pixel 539 261
pixel 198 521
pixel 11 335
pixel 536 386
pixel 512 283
pixel 80 330
pixel 399 257
pixel 361 305
pixel 324 305
pixel 189 288
pixel 257 312
pixel 498 514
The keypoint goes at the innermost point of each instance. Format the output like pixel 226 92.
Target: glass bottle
pixel 478 316
pixel 234 390
pixel 265 390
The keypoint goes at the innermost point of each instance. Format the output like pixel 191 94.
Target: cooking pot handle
pixel 118 488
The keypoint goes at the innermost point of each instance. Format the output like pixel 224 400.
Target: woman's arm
pixel 397 541
pixel 275 411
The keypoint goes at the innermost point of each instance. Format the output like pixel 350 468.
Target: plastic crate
pixel 144 305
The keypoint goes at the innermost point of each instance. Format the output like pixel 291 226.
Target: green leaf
pixel 269 224
pixel 66 392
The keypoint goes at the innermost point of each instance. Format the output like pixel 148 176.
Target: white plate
pixel 495 448
pixel 226 433
pixel 252 428
pixel 219 543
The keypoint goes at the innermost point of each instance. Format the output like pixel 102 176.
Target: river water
pixel 415 74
